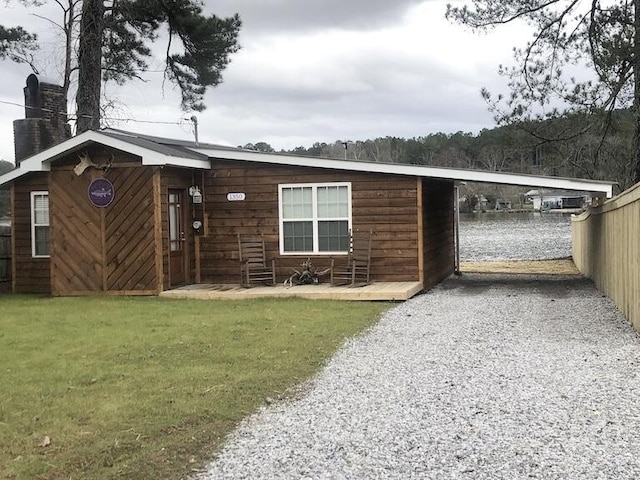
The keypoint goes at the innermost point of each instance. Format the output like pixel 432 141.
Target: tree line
pixel 605 153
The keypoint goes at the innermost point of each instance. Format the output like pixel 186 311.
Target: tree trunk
pixel 70 14
pixel 90 66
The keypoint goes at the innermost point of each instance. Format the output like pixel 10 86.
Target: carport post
pixel 456 220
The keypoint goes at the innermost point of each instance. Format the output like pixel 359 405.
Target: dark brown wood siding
pixel 5 258
pixel 30 275
pixel 124 247
pixel 385 204
pixel 111 249
pixel 438 228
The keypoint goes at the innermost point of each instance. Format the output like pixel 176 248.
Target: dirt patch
pixel 563 266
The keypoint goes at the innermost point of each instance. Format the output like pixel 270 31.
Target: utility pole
pixel 194 119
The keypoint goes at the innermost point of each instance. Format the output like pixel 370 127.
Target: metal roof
pixel 169 149
pixel 445 173
pixel 189 154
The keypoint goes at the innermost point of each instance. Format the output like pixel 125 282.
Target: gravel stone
pixel 483 377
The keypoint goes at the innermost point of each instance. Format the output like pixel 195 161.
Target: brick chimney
pixel 45 123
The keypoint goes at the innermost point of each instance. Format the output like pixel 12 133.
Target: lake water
pixel 510 236
pixel 514 236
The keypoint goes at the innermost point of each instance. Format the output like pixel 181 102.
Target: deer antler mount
pixel 86 162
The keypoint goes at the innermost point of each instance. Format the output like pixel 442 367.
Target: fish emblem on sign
pixel 101 192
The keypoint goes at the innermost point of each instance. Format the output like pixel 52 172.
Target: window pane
pixel 41 240
pixel 173 223
pixel 297 202
pixel 41 209
pixel 323 202
pixel 307 203
pixel 343 201
pixel 298 236
pixel 333 236
pixel 333 202
pixel 287 203
pixel 40 224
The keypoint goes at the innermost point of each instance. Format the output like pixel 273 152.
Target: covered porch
pixel 376 291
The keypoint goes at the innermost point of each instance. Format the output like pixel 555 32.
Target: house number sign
pixel 236 196
pixel 101 192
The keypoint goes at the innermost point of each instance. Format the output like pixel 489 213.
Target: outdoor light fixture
pixel 196 195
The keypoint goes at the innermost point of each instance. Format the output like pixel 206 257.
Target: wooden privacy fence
pixel 5 258
pixel 606 248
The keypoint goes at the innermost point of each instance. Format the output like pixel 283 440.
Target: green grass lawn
pixel 148 388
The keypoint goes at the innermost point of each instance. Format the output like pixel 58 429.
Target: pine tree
pixel 114 44
pixel 603 36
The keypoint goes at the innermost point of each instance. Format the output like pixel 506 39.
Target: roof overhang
pixel 415 170
pixel 165 152
pixel 41 162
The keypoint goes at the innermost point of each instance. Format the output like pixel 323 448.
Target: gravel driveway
pixel 484 377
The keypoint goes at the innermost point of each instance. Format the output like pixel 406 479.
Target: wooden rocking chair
pixel 254 266
pixel 356 269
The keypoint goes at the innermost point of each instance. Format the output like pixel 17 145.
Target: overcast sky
pixel 312 71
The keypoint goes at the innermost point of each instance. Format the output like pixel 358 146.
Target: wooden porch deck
pixel 384 291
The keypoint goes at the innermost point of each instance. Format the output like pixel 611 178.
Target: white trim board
pixel 41 162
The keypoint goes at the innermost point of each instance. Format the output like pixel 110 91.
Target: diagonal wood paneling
pixel 130 241
pixel 76 252
pixel 103 249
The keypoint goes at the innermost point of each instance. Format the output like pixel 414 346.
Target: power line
pixel 143 121
pixel 71 116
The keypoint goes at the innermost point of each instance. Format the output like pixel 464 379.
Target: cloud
pixel 290 16
pixel 379 69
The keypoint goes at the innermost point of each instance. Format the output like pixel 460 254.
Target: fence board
pixel 606 241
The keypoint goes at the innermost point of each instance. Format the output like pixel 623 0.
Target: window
pixel 40 224
pixel 175 222
pixel 315 218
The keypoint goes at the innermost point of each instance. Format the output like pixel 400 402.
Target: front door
pixel 176 239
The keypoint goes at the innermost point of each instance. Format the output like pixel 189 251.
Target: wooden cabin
pixel 144 240
pixel 120 213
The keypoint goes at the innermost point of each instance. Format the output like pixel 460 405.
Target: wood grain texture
pixel 107 249
pixel 30 275
pixel 605 242
pixel 378 291
pixel 438 230
pixel 385 204
pixel 125 246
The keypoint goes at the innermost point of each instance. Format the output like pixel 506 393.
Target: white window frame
pixel 35 225
pixel 315 218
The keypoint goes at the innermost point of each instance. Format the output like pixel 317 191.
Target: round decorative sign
pixel 101 192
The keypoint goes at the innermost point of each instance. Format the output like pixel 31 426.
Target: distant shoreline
pixel 526 210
